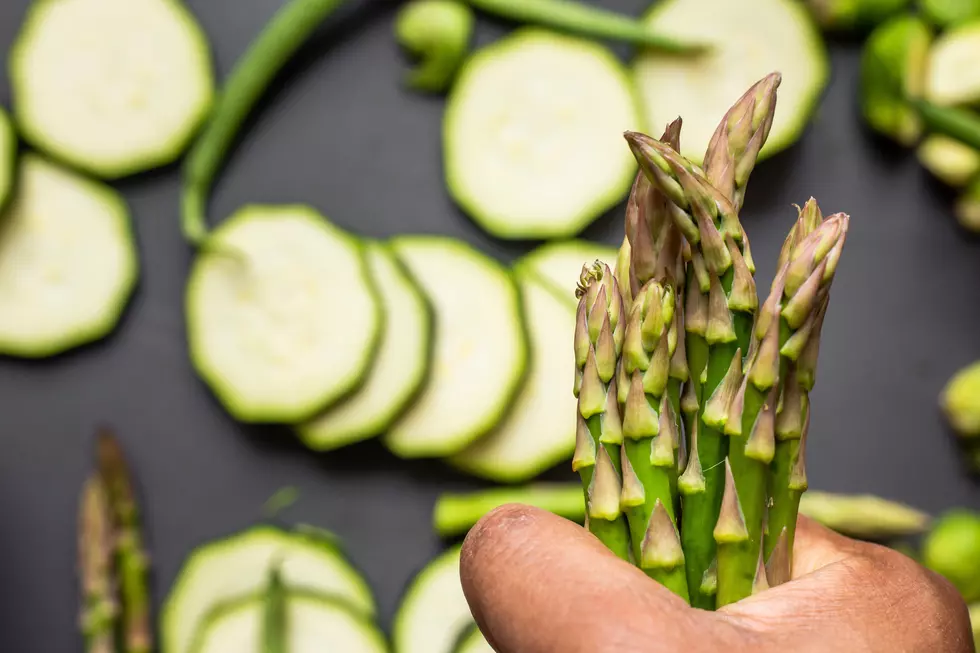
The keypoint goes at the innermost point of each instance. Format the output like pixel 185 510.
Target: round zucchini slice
pixel 399 368
pixel 750 39
pixel 136 75
pixel 314 624
pixel 68 262
pixel 233 568
pixel 480 349
pixel 539 430
pixel 473 641
pixel 533 135
pixel 953 76
pixel 283 318
pixel 559 264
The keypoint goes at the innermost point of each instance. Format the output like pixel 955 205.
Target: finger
pixel 855 596
pixel 537 582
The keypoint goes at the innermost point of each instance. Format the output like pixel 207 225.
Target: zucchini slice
pixel 953 76
pixel 8 157
pixel 237 567
pixel 434 612
pixel 399 369
pixel 559 264
pixel 68 261
pixel 480 350
pixel 282 314
pixel 751 38
pixel 314 624
pixel 135 73
pixel 532 135
pixel 539 430
pixel 950 161
pixel 473 641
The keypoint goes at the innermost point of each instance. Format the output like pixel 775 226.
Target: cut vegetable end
pixel 434 612
pixel 313 623
pixel 399 368
pixel 480 351
pixel 291 323
pixel 236 567
pixel 559 264
pixel 533 135
pixel 949 160
pixel 68 263
pixel 750 39
pixel 953 76
pixel 539 430
pixel 129 113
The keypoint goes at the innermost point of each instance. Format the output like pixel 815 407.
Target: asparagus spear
pixel 720 307
pixel 599 333
pixel 274 617
pixel 132 560
pixel 649 492
pixel 99 605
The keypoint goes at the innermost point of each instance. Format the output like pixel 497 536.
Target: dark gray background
pixel 339 132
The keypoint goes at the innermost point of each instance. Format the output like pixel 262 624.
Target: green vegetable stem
pixel 439 33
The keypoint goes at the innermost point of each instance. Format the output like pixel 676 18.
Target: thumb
pixel 536 582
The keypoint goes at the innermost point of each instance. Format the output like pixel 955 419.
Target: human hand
pixel 538 583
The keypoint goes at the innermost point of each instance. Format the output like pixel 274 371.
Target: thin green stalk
pixel 268 53
pixel 455 513
pixel 586 20
pixel 958 123
pixel 100 607
pixel 274 614
pixel 131 556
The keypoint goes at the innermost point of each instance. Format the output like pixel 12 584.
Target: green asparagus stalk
pixel 132 559
pixel 274 617
pixel 649 463
pixel 599 333
pixel 438 32
pixel 99 604
pixel 720 306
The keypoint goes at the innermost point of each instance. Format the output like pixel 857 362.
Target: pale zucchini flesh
pixel 539 430
pixel 236 567
pixel 533 135
pixel 559 263
pixel 480 347
pixel 283 318
pixel 8 155
pixel 136 75
pixel 434 612
pixel 750 39
pixel 953 76
pixel 314 624
pixel 399 367
pixel 68 261
pixel 473 641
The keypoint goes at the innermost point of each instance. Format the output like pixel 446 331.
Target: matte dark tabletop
pixel 339 132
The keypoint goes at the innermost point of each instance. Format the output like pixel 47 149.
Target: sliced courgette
pixel 8 154
pixel 480 350
pixel 953 75
pixel 282 314
pixel 532 135
pixel 539 430
pixel 68 262
pixel 473 641
pixel 559 264
pixel 750 39
pixel 135 76
pixel 237 567
pixel 434 612
pixel 948 160
pixel 399 368
pixel 313 624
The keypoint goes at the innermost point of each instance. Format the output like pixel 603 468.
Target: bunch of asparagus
pixel 693 398
pixel 112 562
